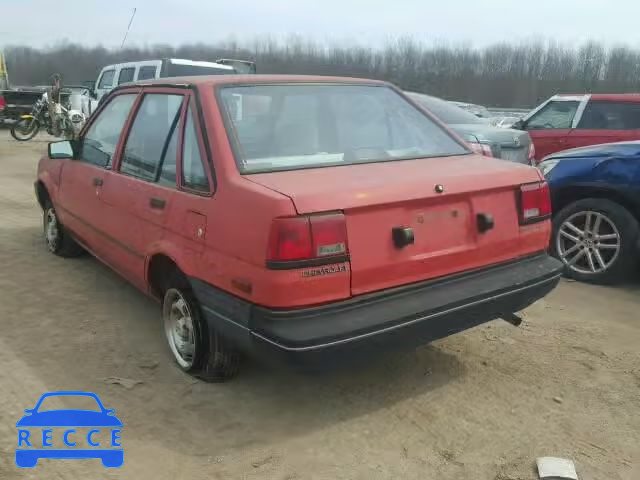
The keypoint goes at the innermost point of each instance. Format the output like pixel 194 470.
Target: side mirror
pixel 60 150
pixel 90 85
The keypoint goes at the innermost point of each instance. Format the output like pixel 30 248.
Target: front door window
pixel 100 141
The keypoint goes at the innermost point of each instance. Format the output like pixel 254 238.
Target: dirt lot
pixel 480 405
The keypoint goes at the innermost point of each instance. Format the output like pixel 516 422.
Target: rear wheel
pixel 25 129
pixel 596 239
pixel 196 350
pixel 58 240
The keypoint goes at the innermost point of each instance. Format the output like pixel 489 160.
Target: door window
pixel 611 116
pixel 107 79
pixel 168 171
pixel 554 115
pixel 194 176
pixel 150 151
pixel 146 73
pixel 100 141
pixel 126 75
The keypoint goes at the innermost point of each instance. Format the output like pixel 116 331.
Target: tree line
pixel 500 75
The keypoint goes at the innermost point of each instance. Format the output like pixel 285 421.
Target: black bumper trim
pixel 398 318
pixel 407 323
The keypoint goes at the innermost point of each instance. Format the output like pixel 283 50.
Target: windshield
pixel 445 111
pixel 287 127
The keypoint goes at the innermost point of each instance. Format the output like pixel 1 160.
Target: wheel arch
pixel 571 193
pixel 161 268
pixel 42 193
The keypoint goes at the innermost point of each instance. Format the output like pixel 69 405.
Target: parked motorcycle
pixel 58 120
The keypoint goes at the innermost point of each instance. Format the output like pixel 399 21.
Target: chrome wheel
pixel 51 230
pixel 179 328
pixel 588 242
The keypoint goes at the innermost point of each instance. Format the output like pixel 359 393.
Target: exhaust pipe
pixel 513 319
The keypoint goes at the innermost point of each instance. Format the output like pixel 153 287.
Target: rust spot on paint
pixel 242 285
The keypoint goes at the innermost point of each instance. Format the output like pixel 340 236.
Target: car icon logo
pixel 36 433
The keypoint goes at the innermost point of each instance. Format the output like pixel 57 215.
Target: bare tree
pixel 503 74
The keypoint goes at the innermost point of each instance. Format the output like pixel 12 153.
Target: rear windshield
pixel 447 112
pixel 289 127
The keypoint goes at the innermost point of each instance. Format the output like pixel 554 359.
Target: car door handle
pixel 158 203
pixel 98 181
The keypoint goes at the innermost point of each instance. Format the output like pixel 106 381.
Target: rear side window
pixel 126 75
pixel 288 127
pixel 601 115
pixel 107 79
pixel 554 115
pixel 194 176
pixel 151 141
pixel 146 73
pixel 100 141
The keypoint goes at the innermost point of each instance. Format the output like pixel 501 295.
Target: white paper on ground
pixel 560 468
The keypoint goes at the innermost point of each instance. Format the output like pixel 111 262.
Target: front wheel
pixel 58 240
pixel 195 349
pixel 596 239
pixel 25 129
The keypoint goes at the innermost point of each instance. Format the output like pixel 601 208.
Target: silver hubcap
pixel 51 229
pixel 178 327
pixel 588 242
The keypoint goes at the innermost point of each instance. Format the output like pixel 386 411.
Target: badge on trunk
pixel 439 188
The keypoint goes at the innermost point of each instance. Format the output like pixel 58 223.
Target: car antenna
pixel 128 27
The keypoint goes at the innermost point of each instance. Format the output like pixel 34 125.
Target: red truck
pixel 571 121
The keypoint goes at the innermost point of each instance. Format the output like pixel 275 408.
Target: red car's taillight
pixel 2 103
pixel 534 202
pixel 307 240
pixel 482 149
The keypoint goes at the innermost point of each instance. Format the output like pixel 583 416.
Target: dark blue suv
pixel 595 193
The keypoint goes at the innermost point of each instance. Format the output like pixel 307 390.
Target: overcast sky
pixel 476 22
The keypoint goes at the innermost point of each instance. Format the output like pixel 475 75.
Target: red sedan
pixel 305 219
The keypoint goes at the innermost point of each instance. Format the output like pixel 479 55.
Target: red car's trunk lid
pixel 378 197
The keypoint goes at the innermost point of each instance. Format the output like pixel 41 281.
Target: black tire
pixel 618 265
pixel 58 240
pixel 23 132
pixel 213 359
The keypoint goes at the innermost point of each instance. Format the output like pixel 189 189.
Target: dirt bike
pixel 64 122
pixel 59 120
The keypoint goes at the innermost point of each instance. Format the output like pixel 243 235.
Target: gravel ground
pixel 479 405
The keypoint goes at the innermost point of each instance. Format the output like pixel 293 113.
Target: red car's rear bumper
pixel 366 326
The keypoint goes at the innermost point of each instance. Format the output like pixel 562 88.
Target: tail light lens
pixel 532 154
pixel 534 202
pixel 2 103
pixel 482 149
pixel 308 240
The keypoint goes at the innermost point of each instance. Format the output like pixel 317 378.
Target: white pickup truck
pixel 113 75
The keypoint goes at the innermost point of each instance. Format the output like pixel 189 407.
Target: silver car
pixel 507 144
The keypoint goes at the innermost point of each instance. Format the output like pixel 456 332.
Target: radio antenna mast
pixel 128 27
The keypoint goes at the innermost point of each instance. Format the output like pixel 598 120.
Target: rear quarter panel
pixel 613 177
pixel 238 223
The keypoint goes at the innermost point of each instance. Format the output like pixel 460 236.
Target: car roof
pixel 254 80
pixel 623 97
